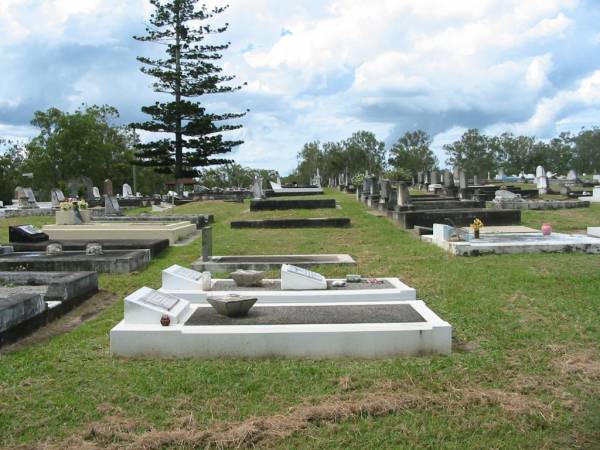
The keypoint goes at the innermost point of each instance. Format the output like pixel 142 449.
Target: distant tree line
pixel 476 153
pixel 85 143
pixel 233 176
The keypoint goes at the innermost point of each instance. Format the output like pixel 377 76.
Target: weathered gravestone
pixel 57 197
pixel 111 206
pixel 127 192
pixel 108 188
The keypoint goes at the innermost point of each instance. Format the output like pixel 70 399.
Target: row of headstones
pixel 399 196
pixel 342 180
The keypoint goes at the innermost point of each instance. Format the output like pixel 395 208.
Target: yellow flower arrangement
pixel 477 224
pixel 67 206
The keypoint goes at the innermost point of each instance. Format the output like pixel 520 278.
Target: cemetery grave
pixel 230 263
pixel 314 222
pixel 109 261
pixel 29 300
pixel 513 316
pixel 270 205
pixel 510 241
pixel 349 323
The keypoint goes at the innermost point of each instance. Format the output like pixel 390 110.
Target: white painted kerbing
pixel 399 292
pixel 287 341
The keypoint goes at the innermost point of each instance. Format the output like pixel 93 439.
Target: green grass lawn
pixel 524 373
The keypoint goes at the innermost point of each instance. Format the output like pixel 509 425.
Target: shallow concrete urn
pixel 232 305
pixel 247 278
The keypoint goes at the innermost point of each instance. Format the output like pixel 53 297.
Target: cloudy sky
pixel 322 69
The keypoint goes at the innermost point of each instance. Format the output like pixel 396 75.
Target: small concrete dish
pixel 232 305
pixel 247 278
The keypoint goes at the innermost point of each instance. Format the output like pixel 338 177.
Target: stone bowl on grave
pixel 232 305
pixel 248 278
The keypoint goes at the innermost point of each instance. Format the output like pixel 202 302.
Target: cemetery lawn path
pixel 524 373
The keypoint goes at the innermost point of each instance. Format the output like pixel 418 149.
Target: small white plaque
pixel 160 300
pixel 297 278
pixel 188 273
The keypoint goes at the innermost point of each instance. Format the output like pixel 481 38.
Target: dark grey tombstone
pixel 462 179
pixel 435 177
pixel 111 206
pixel 476 180
pixel 403 195
pixel 206 243
pixel 448 179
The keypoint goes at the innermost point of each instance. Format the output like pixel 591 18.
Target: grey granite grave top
pixel 307 315
pixel 14 290
pixel 275 285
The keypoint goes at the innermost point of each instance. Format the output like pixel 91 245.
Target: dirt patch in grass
pixel 116 431
pixel 88 310
pixel 581 363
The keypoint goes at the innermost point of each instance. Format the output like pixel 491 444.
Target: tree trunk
pixel 178 126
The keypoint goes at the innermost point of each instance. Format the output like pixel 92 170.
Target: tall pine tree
pixel 186 73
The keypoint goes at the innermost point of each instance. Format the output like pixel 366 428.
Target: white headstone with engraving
pixel 297 278
pixel 147 306
pixel 178 278
pixel 96 192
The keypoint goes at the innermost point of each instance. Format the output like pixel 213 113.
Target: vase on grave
pixel 546 229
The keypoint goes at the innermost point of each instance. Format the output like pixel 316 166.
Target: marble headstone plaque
pixel 159 300
pixel 297 278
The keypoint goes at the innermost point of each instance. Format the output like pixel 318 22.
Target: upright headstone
pixel 96 193
pixel 384 192
pixel 476 180
pixel 456 174
pixel 57 197
pixel 111 206
pixel 374 186
pixel 127 192
pixel 403 198
pixel 501 174
pixel 462 179
pixel 318 179
pixel 257 191
pixel 572 175
pixel 541 180
pixel 21 197
pixel 448 179
pixel 435 177
pixel 206 243
pixel 108 188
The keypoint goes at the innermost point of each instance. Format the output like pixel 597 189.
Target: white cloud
pixel 385 66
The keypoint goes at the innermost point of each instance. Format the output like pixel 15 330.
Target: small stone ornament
pixel 232 305
pixel 93 249
pixel 54 250
pixel 339 283
pixel 353 278
pixel 248 278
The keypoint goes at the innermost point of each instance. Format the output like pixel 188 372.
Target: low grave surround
pixel 327 330
pixel 111 261
pixel 513 242
pixel 29 300
pixel 328 222
pixel 187 284
pixel 269 262
pixel 173 231
pixel 353 323
pixel 272 205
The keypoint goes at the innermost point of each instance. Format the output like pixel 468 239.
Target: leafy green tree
pixel 186 73
pixel 364 152
pixel 310 158
pixel 84 143
pixel 587 151
pixel 413 154
pixel 560 154
pixel 11 163
pixel 473 153
pixel 512 152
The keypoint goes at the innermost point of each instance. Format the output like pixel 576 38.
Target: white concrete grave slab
pixel 595 198
pixel 147 306
pixel 362 335
pixel 296 278
pixel 188 285
pixel 527 242
pixel 593 231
